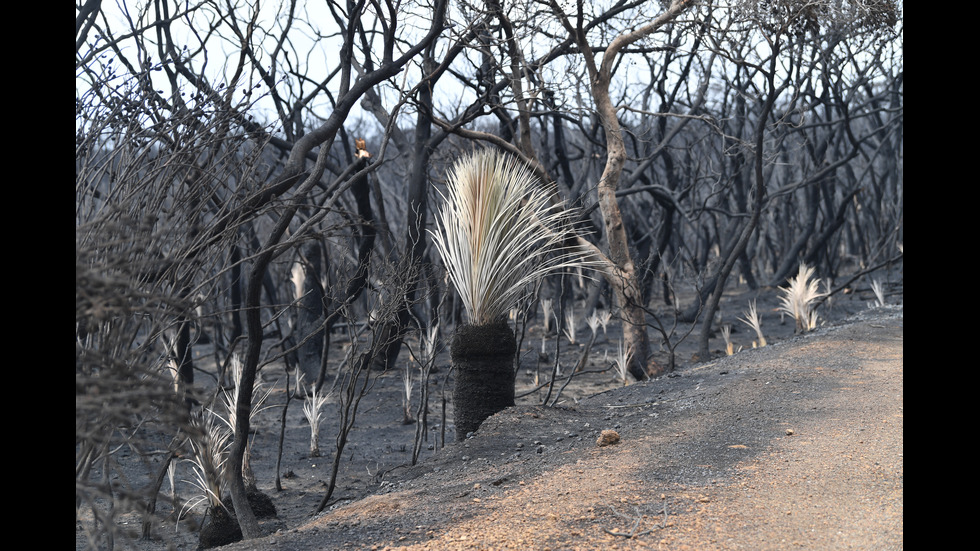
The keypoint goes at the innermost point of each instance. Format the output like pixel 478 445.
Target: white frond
pixel 498 233
pixel 879 292
pixel 798 296
pixel 753 320
pixel 624 355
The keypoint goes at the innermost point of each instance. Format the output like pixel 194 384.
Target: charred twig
pixel 633 533
pixel 566 378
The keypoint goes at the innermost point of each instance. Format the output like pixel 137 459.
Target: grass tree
pixel 879 292
pixel 593 322
pixel 753 320
pixel 313 411
pixel 569 328
pixel 259 397
pixel 209 452
pixel 408 383
pixel 726 334
pixel 498 232
pixel 603 317
pixel 209 461
pixel 798 297
pixel 622 360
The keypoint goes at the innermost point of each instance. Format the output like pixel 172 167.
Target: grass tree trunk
pixel 483 363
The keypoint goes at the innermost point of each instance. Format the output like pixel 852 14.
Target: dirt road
pixel 797 445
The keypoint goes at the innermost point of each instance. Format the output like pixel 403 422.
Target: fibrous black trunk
pixel 483 365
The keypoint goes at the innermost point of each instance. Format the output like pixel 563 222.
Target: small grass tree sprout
pixel 798 297
pixel 622 360
pixel 546 309
pixel 312 410
pixel 593 322
pixel 879 292
pixel 209 455
pixel 569 328
pixel 259 396
pixel 752 320
pixel 726 334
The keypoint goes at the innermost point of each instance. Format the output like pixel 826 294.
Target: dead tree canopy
pixel 254 177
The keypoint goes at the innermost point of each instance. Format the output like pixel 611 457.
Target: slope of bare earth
pixel 797 445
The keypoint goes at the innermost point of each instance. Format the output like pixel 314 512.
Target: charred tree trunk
pixel 182 351
pixel 483 363
pixel 758 201
pixel 621 271
pixel 309 320
pixel 237 329
pixel 418 210
pixel 365 242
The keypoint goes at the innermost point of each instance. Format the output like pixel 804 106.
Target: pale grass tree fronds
pixel 605 316
pixel 313 411
pixel 209 457
pixel 259 394
pixel 259 397
pixel 811 320
pixel 546 309
pixel 172 478
pixel 569 328
pixel 624 355
pixel 429 342
pixel 726 334
pixel 593 322
pixel 753 320
pixel 408 383
pixel 498 232
pixel 879 292
pixel 231 398
pixel 797 298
